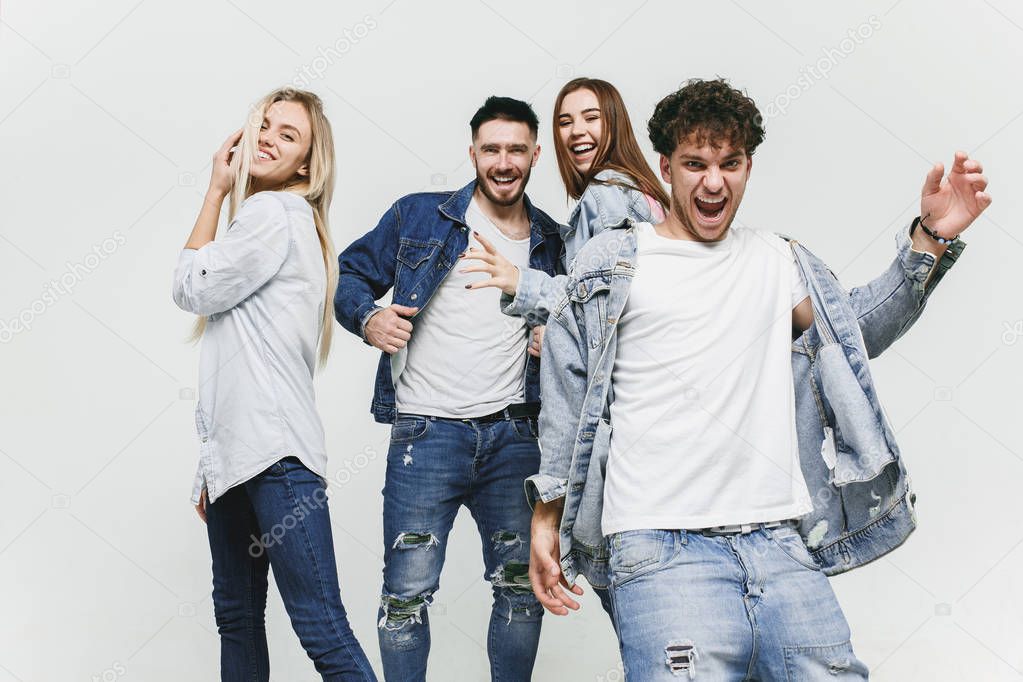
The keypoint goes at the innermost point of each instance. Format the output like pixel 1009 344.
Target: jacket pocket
pixel 412 253
pixel 591 294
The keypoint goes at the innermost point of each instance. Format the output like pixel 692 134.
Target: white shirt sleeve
pixel 226 271
pixel 799 291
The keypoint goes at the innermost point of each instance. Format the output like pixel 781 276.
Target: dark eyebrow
pixel 512 147
pixel 584 111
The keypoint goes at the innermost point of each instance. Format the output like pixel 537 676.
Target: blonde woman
pixel 262 290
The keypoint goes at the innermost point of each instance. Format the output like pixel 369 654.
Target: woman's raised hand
pixel 222 178
pixel 503 274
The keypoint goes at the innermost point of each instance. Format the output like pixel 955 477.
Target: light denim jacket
pixel 863 507
pixel 602 205
pixel 262 285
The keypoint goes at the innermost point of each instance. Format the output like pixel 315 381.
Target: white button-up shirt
pixel 261 285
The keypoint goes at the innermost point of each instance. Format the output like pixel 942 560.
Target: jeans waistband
pixel 514 411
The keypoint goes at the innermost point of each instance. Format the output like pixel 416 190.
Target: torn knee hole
pixel 513 576
pixel 399 612
pixel 410 540
pixel 506 538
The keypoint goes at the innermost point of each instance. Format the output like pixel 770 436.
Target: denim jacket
pixel 863 507
pixel 603 204
pixel 412 249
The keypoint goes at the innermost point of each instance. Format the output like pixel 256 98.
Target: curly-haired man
pixel 712 444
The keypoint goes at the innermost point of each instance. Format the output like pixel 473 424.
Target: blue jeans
pixel 434 466
pixel 731 607
pixel 279 518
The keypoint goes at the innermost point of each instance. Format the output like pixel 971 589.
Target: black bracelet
pixel 932 234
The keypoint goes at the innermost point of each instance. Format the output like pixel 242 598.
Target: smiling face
pixel 580 126
pixel 707 184
pixel 503 153
pixel 285 137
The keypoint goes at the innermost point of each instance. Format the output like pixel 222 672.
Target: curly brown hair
pixel 712 111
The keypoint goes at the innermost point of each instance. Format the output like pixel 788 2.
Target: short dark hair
pixel 712 110
pixel 507 109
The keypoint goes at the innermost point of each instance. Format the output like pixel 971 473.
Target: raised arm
pixel 222 273
pixel 889 305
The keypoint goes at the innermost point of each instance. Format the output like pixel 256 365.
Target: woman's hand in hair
pixel 200 508
pixel 503 274
pixel 222 178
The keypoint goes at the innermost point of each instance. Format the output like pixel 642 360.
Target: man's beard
pixel 484 186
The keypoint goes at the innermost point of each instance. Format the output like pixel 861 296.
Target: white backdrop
pixel 110 112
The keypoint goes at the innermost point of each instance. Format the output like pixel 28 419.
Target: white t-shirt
pixel 466 358
pixel 703 418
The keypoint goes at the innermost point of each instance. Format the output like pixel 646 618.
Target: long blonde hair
pixel 317 188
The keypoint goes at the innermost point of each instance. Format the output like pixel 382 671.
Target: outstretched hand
pixel 949 206
pixel 503 274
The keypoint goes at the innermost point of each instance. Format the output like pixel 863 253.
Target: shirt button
pixel 202 272
pixel 205 439
pixel 414 296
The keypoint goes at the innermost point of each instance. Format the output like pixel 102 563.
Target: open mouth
pixel 263 156
pixel 583 148
pixel 503 180
pixel 710 209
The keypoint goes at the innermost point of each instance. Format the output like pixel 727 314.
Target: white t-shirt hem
pixel 671 522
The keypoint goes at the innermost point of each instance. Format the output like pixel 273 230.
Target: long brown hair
pixel 617 150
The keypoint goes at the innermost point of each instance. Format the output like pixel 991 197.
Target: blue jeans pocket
pixel 525 427
pixel 789 542
pixel 634 552
pixel 407 429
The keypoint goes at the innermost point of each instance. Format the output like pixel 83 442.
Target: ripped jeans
pixel 434 466
pixel 749 606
